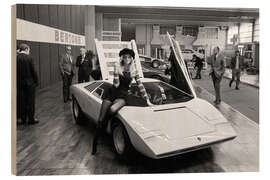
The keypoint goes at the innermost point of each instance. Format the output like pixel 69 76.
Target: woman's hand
pixel 148 102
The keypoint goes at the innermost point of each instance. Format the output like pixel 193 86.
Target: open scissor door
pixel 183 80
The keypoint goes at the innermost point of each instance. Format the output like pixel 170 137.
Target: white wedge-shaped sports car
pixel 176 123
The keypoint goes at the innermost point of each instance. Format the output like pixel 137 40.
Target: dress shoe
pixel 217 101
pixel 230 84
pixel 237 88
pixel 35 121
pixel 94 148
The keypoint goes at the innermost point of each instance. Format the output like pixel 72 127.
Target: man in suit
pixel 237 63
pixel 217 70
pixel 67 68
pixel 27 80
pixel 199 64
pixel 84 63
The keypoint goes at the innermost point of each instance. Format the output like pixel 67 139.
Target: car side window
pixel 92 86
pixel 99 92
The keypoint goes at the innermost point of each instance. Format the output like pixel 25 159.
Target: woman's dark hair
pixel 126 51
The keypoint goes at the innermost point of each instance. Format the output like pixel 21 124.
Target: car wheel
pixel 77 112
pixel 155 64
pixel 121 141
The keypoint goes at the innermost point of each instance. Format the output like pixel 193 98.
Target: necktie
pixel 69 57
pixel 82 59
pixel 237 63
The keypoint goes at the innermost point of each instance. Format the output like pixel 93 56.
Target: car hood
pixel 172 127
pixel 175 121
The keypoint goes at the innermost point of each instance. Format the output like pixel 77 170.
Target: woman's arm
pixel 141 87
pixel 116 81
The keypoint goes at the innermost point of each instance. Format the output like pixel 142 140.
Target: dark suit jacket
pixel 198 62
pixel 26 73
pixel 85 67
pixel 218 65
pixel 241 62
pixel 66 65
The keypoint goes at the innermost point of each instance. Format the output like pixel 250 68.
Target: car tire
pixel 155 64
pixel 121 141
pixel 77 112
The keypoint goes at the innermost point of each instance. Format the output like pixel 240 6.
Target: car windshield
pixel 158 92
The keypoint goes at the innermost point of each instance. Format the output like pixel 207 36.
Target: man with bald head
pixel 84 63
pixel 217 70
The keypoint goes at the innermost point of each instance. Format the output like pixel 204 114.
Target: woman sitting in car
pixel 115 98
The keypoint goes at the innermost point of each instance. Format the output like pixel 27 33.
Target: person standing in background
pixel 67 67
pixel 199 65
pixel 217 70
pixel 27 80
pixel 84 63
pixel 237 63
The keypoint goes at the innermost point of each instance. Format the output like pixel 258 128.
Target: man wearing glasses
pixel 67 67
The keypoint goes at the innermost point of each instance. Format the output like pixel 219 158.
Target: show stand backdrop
pixel 47 29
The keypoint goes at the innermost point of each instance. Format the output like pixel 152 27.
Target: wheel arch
pixel 137 142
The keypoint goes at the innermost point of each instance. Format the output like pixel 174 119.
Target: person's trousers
pixel 216 82
pixel 67 81
pixel 83 78
pixel 26 102
pixel 198 74
pixel 236 73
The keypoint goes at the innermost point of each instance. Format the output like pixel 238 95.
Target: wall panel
pixel 61 17
pixel 20 11
pixel 77 24
pixel 43 15
pixel 82 16
pixel 54 68
pixel 44 60
pixel 53 17
pixel 68 18
pixel 73 19
pixel 31 12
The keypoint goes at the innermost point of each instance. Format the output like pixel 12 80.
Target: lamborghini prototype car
pixel 176 123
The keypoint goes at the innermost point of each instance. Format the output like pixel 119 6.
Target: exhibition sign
pixel 29 31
